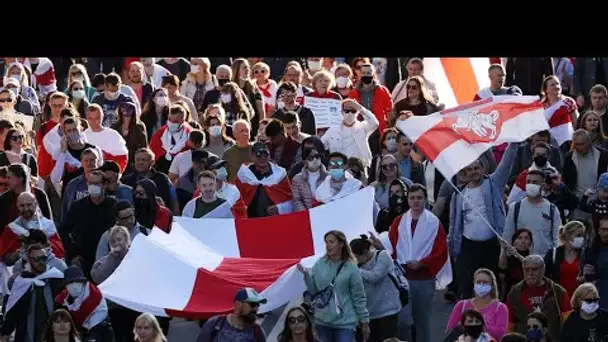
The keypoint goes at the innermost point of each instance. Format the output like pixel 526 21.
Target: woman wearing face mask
pixel 389 172
pixel 304 184
pixel 344 76
pixel 473 324
pixel 156 111
pixel 372 95
pixel 268 87
pixel 538 328
pixel 199 80
pixel 148 212
pixel 356 64
pixel 241 75
pixel 592 123
pixel 217 141
pixel 397 205
pixel 78 72
pixel 17 71
pixel 486 302
pixel 234 104
pixel 77 96
pixel 562 263
pixel 61 328
pixel 131 129
pixel 587 322
pixel 510 263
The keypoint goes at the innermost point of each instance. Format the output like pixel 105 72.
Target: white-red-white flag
pixel 196 269
pixel 112 145
pixel 454 138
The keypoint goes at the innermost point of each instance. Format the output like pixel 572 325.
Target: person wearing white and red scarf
pixel 43 74
pixel 540 157
pixel 268 87
pixel 264 186
pixel 170 139
pixel 417 241
pixel 111 143
pixel 208 204
pixel 86 304
pixel 293 73
pixel 339 183
pixel 496 73
pixel 48 137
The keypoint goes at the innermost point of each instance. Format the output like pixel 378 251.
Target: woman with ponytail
pixel 562 263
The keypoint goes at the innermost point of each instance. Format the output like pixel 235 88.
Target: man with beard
pixel 148 212
pixel 208 204
pixel 142 88
pixel 239 325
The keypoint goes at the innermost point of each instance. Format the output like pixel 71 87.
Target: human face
pixel 288 97
pixel 297 322
pixel 578 232
pixel 413 90
pixel 484 279
pixel 323 84
pixel 223 74
pixel 533 274
pixel 293 129
pixel 94 119
pixel 367 71
pixel 143 162
pixel 136 73
pixel 71 129
pixel 111 88
pixel 336 163
pixel 497 78
pixel 89 162
pixel 414 69
pixel 144 331
pixel 278 140
pixel 598 100
pixel 468 321
pixel 61 327
pixel 26 206
pixel 293 75
pixel 591 297
pixel 537 139
pixel 111 180
pixel 314 155
pixel 260 73
pixel 96 180
pixel 581 144
pixel 37 260
pixel 176 117
pixel 140 192
pixel 389 167
pixel 207 187
pixel 16 140
pixel 357 69
pixel 14 182
pixel 244 71
pixel 538 151
pixel 241 133
pixel 333 246
pixel 6 101
pixel 119 240
pixel 552 87
pixel 170 89
pixel 126 218
pixel 396 190
pixel 603 231
pixel 535 179
pixel 522 242
pixel 416 200
pixel 533 323
pixel 202 67
pixel 260 158
pixel 404 146
pixel 247 311
pixel 474 171
pixel 342 72
pixel 592 122
pixel 602 194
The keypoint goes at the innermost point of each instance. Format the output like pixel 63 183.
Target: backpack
pixel 258 335
pixel 551 213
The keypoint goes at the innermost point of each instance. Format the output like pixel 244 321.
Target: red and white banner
pixel 457 80
pixel 559 116
pixel 454 138
pixel 111 143
pixel 195 270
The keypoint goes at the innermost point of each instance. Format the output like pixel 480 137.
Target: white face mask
pixel 78 94
pixel 161 101
pixel 349 118
pixel 391 144
pixel 589 308
pixel 15 91
pixel 577 242
pixel 532 190
pixel 75 289
pixel 215 131
pixel 195 68
pixel 221 174
pixel 226 98
pixel 314 164
pixel 18 77
pixel 314 65
pixel 173 127
pixel 113 95
pixel 280 104
pixel 95 190
pixel 342 82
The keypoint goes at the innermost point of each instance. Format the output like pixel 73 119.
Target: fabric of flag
pixel 112 145
pixel 560 120
pixel 196 270
pixel 454 138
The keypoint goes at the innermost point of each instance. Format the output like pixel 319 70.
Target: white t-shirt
pixel 349 146
pixel 182 163
pixel 475 228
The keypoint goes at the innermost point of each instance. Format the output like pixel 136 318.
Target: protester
pixel 389 173
pixel 381 292
pixel 208 204
pixel 598 96
pixel 293 126
pixel 199 81
pixel 339 183
pixel 154 72
pixel 155 112
pixel 563 262
pixel 137 81
pixel 284 150
pixel 56 103
pixel 78 73
pixel 12 102
pixel 111 98
pixel 337 314
pixel 14 151
pixel 486 302
pixel 527 156
pixel 540 155
pixel 496 74
pixel 147 329
pixel 388 145
pixel 181 164
pixel 23 89
pixel 473 324
pixel 595 258
pixel 77 188
pixel 397 205
pixel 235 104
pixel 31 299
pixel 587 321
pixel 305 183
pixel 293 73
pixel 537 294
pixel 539 328
pixel 217 141
pixel 86 304
pixel 261 136
pixel 344 76
pixel 238 325
pixel 125 217
pixel 186 185
pixel 591 122
pixel 171 138
pixel 419 99
pixel 148 212
pixel 109 141
pixel 511 257
pixel 372 95
pixel 286 102
pixel 77 96
pixel 408 167
pixel 415 67
pixel 298 327
pixel 61 327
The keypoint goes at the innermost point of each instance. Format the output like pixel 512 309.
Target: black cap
pixel 73 274
pixel 214 162
pixel 259 146
pixel 110 165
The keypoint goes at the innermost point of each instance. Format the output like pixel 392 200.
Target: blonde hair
pixel 148 318
pixel 120 230
pixel 568 229
pixel 580 292
pixel 80 68
pixel 345 67
pixel 424 91
pixel 323 74
pixel 219 107
pixel 24 78
pixel 206 62
pixel 260 65
pixel 489 273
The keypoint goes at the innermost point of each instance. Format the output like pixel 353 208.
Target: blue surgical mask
pixel 482 290
pixel 336 173
pixel 221 174
pixel 535 335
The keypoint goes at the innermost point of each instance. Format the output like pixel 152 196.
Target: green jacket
pixel 349 290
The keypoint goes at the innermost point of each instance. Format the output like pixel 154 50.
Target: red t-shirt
pixel 533 298
pixel 567 275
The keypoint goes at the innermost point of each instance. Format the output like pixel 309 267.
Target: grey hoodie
pixel 19 266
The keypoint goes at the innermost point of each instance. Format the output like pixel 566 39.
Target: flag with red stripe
pixel 195 270
pixel 112 145
pixel 454 138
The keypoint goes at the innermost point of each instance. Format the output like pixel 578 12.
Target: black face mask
pixel 367 79
pixel 395 201
pixel 473 330
pixel 221 82
pixel 541 160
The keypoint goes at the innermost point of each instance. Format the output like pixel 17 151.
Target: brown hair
pixel 543 87
pixel 424 91
pixel 346 253
pixel 63 315
pixel 489 273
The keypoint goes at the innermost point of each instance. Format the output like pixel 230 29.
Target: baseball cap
pixel 214 162
pixel 602 182
pixel 249 295
pixel 110 165
pixel 259 146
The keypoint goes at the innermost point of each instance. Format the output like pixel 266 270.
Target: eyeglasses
pixel 17 137
pixel 387 167
pixel 297 319
pixel 260 71
pixel 352 111
pixel 40 258
pixel 289 94
pixel 412 87
pixel 313 157
pixel 125 218
pixel 261 154
pixel 5 100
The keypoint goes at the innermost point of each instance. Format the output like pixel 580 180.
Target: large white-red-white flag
pixel 454 138
pixel 112 145
pixel 196 270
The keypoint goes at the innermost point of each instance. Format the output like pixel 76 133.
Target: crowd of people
pixel 94 151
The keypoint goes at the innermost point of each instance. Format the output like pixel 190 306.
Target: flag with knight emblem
pixel 454 138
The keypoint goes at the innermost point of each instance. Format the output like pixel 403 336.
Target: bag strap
pixel 552 213
pixel 338 272
pixel 516 213
pixel 219 324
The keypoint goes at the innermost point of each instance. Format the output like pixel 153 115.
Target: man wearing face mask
pixel 86 221
pixel 86 304
pixel 111 98
pixel 340 183
pixel 525 154
pixel 535 213
pixel 223 74
pixel 351 137
pixel 286 103
pixel 208 204
pixel 114 188
pixel 170 139
pixel 540 157
pixel 239 325
pixel 78 188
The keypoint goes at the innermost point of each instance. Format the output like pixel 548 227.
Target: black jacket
pixel 570 172
pixel 306 116
pixel 528 73
pixel 523 160
pixel 576 329
pixel 162 182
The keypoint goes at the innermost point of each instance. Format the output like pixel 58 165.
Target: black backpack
pixel 258 334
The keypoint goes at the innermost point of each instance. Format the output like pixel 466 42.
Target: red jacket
pixel 164 218
pixel 382 104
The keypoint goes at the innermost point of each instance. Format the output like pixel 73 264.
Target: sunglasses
pixel 17 137
pixel 412 87
pixel 5 100
pixel 40 258
pixel 313 157
pixel 338 163
pixel 290 94
pixel 297 319
pixel 387 167
pixel 352 111
pixel 260 71
pixel 261 154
